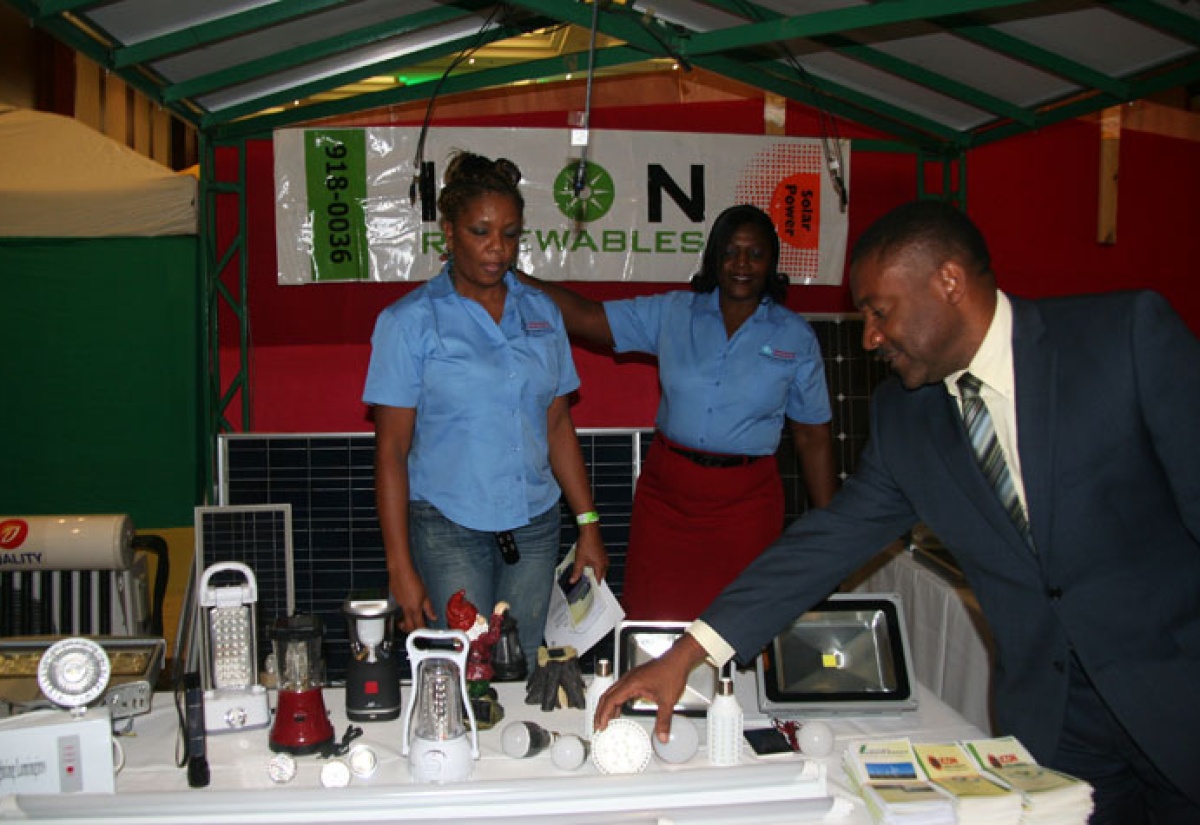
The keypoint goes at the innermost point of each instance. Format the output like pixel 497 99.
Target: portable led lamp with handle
pixel 233 699
pixel 436 742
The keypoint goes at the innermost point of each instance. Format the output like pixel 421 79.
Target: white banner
pixel 344 211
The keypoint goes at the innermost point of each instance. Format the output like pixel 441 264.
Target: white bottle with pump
pixel 725 726
pixel 600 683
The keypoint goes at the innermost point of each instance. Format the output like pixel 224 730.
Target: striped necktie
pixel 988 454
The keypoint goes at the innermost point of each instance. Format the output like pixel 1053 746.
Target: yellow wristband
pixel 590 517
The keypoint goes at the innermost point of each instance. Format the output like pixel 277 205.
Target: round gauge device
pixel 622 747
pixel 73 672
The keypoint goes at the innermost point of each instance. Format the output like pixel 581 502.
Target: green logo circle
pixel 593 201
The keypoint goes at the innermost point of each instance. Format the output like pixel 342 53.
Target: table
pixel 150 789
pixel 947 633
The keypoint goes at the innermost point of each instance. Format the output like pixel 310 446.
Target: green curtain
pixel 100 378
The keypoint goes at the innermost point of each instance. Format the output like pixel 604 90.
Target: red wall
pixel 1034 196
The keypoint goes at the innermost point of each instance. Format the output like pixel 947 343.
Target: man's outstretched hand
pixel 660 681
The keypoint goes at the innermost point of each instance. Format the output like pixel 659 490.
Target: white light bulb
pixel 568 752
pixel 682 744
pixel 816 739
pixel 363 761
pixel 335 774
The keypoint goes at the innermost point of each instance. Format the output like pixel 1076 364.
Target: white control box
pixel 48 752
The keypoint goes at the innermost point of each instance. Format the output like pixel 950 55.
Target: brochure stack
pixel 1050 797
pixel 887 777
pixel 978 782
pixel 978 799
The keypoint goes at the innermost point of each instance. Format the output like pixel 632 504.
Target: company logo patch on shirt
pixel 778 354
pixel 537 327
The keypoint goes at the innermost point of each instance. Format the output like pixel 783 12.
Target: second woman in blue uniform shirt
pixel 734 366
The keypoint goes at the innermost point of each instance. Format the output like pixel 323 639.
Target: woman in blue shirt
pixel 474 444
pixel 734 365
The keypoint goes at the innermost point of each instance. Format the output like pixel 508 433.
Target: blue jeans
pixel 451 557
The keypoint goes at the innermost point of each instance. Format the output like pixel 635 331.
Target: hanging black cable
pixel 581 171
pixel 421 184
pixel 831 143
pixel 157 546
pixel 647 21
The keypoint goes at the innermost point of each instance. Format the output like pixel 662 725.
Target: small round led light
pixel 622 747
pixel 816 739
pixel 73 672
pixel 568 752
pixel 363 761
pixel 335 774
pixel 281 768
pixel 683 743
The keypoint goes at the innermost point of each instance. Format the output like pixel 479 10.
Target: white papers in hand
pixel 580 614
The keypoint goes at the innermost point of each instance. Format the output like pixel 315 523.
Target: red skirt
pixel 694 529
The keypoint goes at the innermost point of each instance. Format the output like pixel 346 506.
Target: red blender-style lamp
pixel 302 724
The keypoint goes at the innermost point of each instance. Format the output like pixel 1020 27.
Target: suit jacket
pixel 1108 407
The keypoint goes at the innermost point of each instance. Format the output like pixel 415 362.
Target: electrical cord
pixel 581 171
pixel 419 185
pixel 156 545
pixel 831 142
pixel 647 20
pixel 181 730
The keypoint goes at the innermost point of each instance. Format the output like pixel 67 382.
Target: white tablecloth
pixel 947 634
pixel 150 789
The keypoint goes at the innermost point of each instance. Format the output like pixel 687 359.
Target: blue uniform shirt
pixel 481 391
pixel 721 394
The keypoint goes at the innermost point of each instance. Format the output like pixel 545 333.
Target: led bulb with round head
pixel 816 739
pixel 524 739
pixel 335 774
pixel 682 743
pixel 363 761
pixel 622 747
pixel 281 768
pixel 73 672
pixel 568 752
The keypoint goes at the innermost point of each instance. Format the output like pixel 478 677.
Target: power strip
pixel 128 699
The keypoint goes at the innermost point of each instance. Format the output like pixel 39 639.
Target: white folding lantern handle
pixel 458 656
pixel 233 595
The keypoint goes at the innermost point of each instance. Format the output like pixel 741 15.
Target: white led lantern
pixel 233 699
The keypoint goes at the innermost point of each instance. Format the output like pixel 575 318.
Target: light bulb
pixel 524 739
pixel 363 761
pixel 335 774
pixel 683 743
pixel 816 739
pixel 568 752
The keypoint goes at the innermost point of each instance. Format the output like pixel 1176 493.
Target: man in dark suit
pixel 1081 538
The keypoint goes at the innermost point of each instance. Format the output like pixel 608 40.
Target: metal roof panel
pixel 945 72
